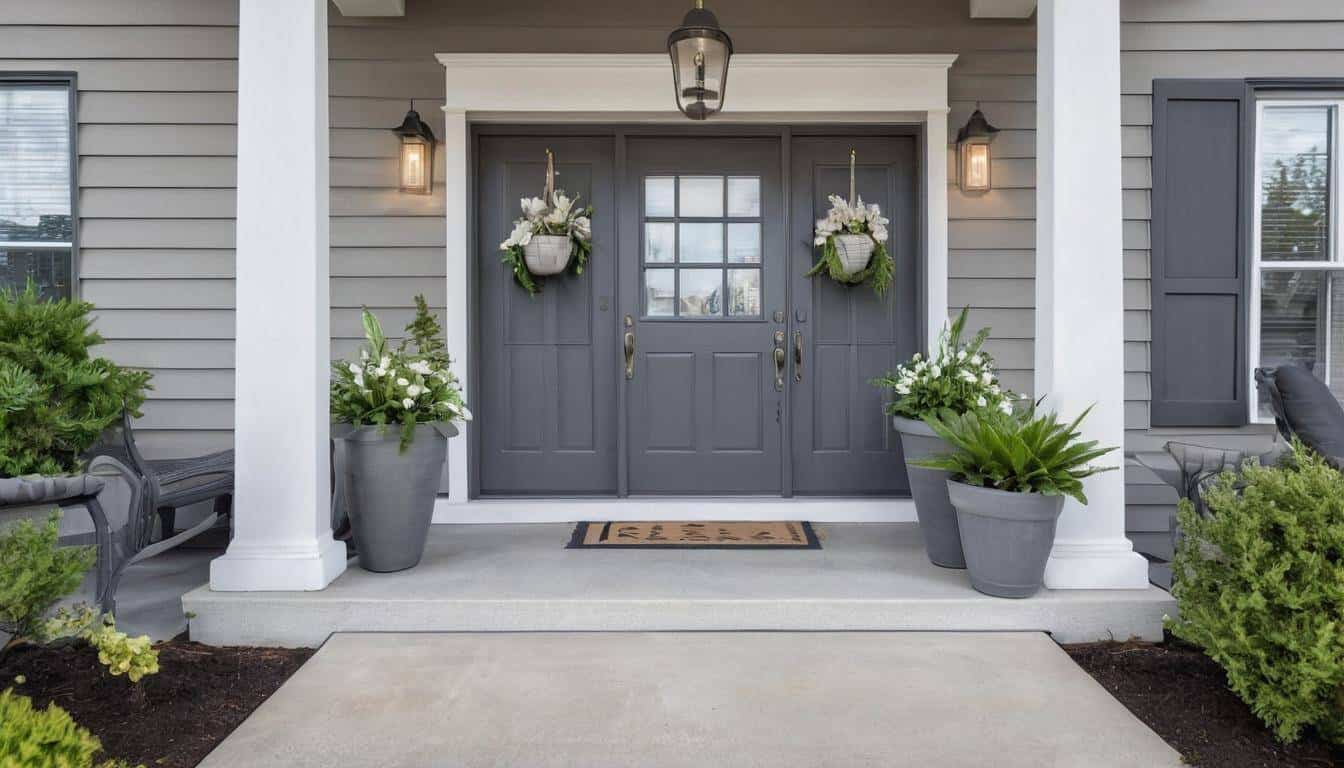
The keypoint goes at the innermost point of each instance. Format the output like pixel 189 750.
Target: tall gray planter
pixel 937 518
pixel 1007 537
pixel 389 494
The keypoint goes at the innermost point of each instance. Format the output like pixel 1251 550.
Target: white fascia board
pixel 1002 9
pixel 371 7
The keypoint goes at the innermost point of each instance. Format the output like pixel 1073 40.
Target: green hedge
pixel 1260 584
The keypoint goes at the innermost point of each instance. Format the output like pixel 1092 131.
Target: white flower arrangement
pixel 848 217
pixel 554 213
pixel 956 376
pixel 398 386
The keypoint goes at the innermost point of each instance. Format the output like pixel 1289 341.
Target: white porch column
pixel 456 178
pixel 935 281
pixel 1079 275
pixel 282 525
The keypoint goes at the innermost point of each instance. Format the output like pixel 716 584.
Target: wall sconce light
pixel 973 154
pixel 417 154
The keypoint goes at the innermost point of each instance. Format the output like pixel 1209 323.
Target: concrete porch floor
pixel 520 578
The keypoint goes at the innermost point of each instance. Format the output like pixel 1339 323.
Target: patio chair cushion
pixel 1311 410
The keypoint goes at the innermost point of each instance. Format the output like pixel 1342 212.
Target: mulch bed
pixel 1183 696
pixel 171 719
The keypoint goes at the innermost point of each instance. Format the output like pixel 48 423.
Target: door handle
pixel 629 348
pixel 798 356
pixel 780 357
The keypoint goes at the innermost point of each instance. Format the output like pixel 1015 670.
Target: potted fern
pixel 394 409
pixel 1009 474
pixel 958 377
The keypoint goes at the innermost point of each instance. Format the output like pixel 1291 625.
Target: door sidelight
pixel 798 356
pixel 629 348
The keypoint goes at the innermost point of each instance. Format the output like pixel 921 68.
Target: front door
pixel 703 315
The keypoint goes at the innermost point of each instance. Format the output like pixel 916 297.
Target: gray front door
pixel 702 285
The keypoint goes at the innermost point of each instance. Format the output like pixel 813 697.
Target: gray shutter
pixel 1202 133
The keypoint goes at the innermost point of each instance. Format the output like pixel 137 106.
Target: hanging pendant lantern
pixel 417 154
pixel 700 50
pixel 973 155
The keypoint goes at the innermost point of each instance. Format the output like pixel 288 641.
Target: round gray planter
pixel 1007 537
pixel 937 518
pixel 391 494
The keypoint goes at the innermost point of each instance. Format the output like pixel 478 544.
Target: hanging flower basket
pixel 552 236
pixel 853 239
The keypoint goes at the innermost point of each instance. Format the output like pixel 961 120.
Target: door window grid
pixel 701 247
pixel 1297 286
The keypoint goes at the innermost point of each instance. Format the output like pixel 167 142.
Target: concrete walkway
pixel 775 699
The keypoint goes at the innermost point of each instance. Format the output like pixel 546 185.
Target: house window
pixel 702 247
pixel 1297 297
pixel 36 185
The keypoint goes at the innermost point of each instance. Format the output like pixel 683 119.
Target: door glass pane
pixel 744 196
pixel 701 292
pixel 744 243
pixel 701 196
pixel 744 292
pixel 1295 183
pixel 659 242
pixel 660 293
pixel 1302 323
pixel 660 196
pixel 701 243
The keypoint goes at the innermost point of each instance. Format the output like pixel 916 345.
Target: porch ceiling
pixel 371 7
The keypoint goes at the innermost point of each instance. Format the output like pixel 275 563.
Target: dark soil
pixel 171 719
pixel 1183 696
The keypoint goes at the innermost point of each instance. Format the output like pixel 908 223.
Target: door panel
pixel 702 276
pixel 548 369
pixel 842 443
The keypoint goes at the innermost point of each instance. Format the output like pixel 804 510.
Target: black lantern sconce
pixel 700 50
pixel 417 154
pixel 973 154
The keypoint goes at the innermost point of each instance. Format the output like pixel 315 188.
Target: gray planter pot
pixel 1007 537
pixel 937 518
pixel 390 495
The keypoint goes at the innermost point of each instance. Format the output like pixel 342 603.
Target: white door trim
pixel 765 88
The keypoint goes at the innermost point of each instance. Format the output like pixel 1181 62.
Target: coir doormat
pixel 691 535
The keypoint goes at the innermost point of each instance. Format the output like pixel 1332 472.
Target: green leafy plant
pixel 396 385
pixel 55 399
pixel 134 657
pixel 1260 585
pixel 1020 452
pixel 555 213
pixel 45 738
pixel 958 376
pixel 36 572
pixel 856 219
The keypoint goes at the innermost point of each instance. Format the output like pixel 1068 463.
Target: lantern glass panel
pixel 700 68
pixel 975 166
pixel 416 165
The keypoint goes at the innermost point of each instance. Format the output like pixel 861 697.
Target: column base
pixel 1095 564
pixel 278 568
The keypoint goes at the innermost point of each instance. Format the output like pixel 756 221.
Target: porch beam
pixel 1002 9
pixel 282 521
pixel 1080 278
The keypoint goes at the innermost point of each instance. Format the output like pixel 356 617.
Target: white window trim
pixel 1335 263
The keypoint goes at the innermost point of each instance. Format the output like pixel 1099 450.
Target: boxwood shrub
pixel 1260 585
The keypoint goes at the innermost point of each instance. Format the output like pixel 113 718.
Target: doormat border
pixel 581 529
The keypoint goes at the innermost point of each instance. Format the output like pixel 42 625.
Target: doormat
pixel 688 535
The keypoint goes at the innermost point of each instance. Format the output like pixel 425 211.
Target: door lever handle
pixel 798 356
pixel 629 349
pixel 779 368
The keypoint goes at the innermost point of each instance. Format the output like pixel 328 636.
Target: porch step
pixel 520 578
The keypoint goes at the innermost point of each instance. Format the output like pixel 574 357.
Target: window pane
pixel 660 196
pixel 744 196
pixel 744 292
pixel 701 243
pixel 48 268
pixel 660 293
pixel 659 242
pixel 1295 183
pixel 744 243
pixel 701 292
pixel 35 165
pixel 1293 325
pixel 701 196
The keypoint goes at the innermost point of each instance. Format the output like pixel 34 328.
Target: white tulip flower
pixel 354 369
pixel 980 401
pixel 408 403
pixel 533 207
pixel 402 382
pixel 414 390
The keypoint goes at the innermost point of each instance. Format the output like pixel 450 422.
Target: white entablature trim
pixel 642 83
